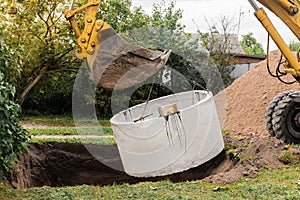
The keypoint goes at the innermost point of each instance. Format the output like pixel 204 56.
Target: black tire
pixel 270 110
pixel 285 123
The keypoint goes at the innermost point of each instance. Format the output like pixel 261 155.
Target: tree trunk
pixel 29 87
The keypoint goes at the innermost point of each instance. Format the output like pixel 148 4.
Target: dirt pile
pixel 248 97
pixel 251 154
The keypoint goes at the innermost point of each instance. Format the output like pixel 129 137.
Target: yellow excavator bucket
pixel 118 64
pixel 113 63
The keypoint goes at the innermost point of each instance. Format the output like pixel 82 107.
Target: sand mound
pixel 248 97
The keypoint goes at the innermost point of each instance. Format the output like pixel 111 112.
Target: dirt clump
pixel 251 154
pixel 248 97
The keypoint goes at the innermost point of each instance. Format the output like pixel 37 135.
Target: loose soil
pixel 248 147
pixel 248 97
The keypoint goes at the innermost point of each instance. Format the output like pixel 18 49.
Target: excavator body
pixel 283 112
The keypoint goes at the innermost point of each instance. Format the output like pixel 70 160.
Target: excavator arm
pixel 113 63
pixel 87 39
pixel 288 12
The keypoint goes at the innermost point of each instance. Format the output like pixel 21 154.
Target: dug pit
pixel 67 164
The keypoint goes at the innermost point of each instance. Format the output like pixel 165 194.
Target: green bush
pixel 13 137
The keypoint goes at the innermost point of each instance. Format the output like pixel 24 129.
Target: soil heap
pixel 247 98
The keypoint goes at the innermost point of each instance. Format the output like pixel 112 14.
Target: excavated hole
pixel 69 164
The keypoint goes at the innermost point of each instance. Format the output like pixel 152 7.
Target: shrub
pixel 13 138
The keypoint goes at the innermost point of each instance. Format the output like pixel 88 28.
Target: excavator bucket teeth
pixel 117 64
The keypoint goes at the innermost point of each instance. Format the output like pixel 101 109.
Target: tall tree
pixel 44 39
pixel 39 33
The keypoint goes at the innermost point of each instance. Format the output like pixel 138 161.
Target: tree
pixel 46 43
pixel 9 61
pixel 164 31
pixel 120 16
pixel 13 138
pixel 219 42
pixel 40 34
pixel 251 46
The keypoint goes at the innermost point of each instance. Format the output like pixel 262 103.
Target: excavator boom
pixel 288 12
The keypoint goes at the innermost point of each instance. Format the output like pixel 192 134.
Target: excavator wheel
pixel 270 111
pixel 283 117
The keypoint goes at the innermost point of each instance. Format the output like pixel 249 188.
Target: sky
pixel 201 11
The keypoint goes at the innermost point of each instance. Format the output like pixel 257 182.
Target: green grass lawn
pixel 64 126
pixel 71 131
pixel 57 121
pixel 277 184
pixel 98 141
